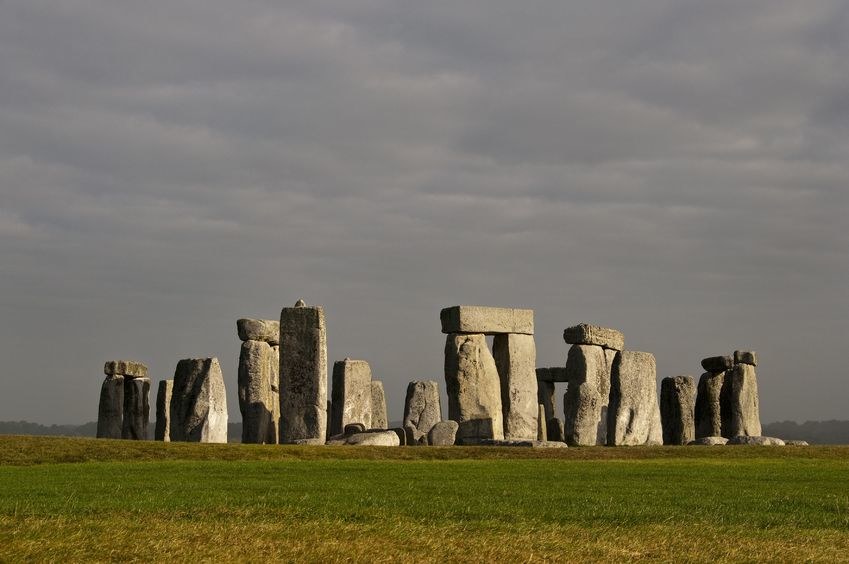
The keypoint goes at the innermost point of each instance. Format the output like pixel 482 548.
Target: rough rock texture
pixel 586 395
pixel 474 390
pixel 136 409
pixel 755 440
pixel 739 401
pixel 545 396
pixel 522 443
pixel 515 359
pixel 716 364
pixel 442 433
pixel 746 357
pixel 708 441
pixel 379 418
pixel 382 438
pixel 677 409
pixel 199 402
pixel 402 435
pixel 125 368
pixel 162 431
pixel 708 410
pixel 422 410
pixel 351 394
pixel 266 330
pixel 585 334
pixel 542 428
pixel 794 442
pixel 256 397
pixel 487 320
pixel 110 410
pixel 555 430
pixel 303 374
pixel 633 416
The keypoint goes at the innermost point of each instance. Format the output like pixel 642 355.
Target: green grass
pixel 80 499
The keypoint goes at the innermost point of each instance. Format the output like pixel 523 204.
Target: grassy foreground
pixel 84 499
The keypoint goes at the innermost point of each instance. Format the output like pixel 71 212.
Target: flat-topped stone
pixel 586 334
pixel 522 443
pixel 487 320
pixel 746 357
pixel 708 441
pixel 717 364
pixel 129 368
pixel 267 330
pixel 552 374
pixel 381 438
pixel 755 440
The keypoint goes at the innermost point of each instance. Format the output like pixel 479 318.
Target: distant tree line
pixel 234 430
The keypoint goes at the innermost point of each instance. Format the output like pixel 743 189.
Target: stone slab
pixel 633 416
pixel 708 441
pixel 257 376
pixel 740 403
pixel 130 368
pixel 677 409
pixel 717 364
pixel 162 431
pixel 586 334
pixel 755 440
pixel 266 330
pixel 521 443
pixel 587 394
pixel 199 402
pixel 515 359
pixel 708 410
pixel 136 409
pixel 379 417
pixel 443 433
pixel 487 320
pixel 351 394
pixel 474 390
pixel 746 357
pixel 422 410
pixel 110 410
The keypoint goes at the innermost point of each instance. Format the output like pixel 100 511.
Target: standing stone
pixel 545 395
pixel 515 359
pixel 351 395
pixel 422 410
pixel 542 429
pixel 708 413
pixel 199 402
pixel 303 375
pixel 136 408
pixel 256 396
pixel 486 320
pixel 274 433
pixel 162 432
pixel 633 416
pixel 677 404
pixel 379 417
pixel 443 433
pixel 474 390
pixel 110 411
pixel 739 401
pixel 555 429
pixel 586 394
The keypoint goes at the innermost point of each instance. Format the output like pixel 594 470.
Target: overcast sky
pixel 678 170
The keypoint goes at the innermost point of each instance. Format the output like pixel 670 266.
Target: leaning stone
pixel 633 416
pixel 585 334
pixel 586 395
pixel 708 411
pixel 136 409
pixel 522 443
pixel 266 330
pixel 351 394
pixel 545 396
pixel 487 320
pixel 199 402
pixel 555 430
pixel 708 441
pixel 303 374
pixel 379 418
pixel 717 364
pixel 162 432
pixel 256 381
pixel 795 442
pixel 474 390
pixel 110 410
pixel 746 357
pixel 422 410
pixel 443 433
pixel 129 368
pixel 542 429
pixel 755 440
pixel 383 438
pixel 739 402
pixel 515 359
pixel 677 405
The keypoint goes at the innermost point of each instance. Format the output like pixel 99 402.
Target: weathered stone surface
pixel 795 442
pixel 708 441
pixel 110 410
pixel 266 330
pixel 708 412
pixel 515 359
pixel 542 428
pixel 351 394
pixel 555 430
pixel 402 435
pixel 633 416
pixel 586 395
pixel 755 440
pixel 677 409
pixel 522 443
pixel 443 433
pixel 552 374
pixel 162 431
pixel 256 381
pixel 199 402
pixel 739 402
pixel 545 396
pixel 136 409
pixel 746 357
pixel 716 364
pixel 382 438
pixel 474 390
pixel 585 334
pixel 379 418
pixel 422 410
pixel 487 320
pixel 303 374
pixel 130 368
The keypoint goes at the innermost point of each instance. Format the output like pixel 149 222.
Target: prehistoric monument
pixel 351 395
pixel 124 409
pixel 198 410
pixel 259 397
pixel 162 432
pixel 677 404
pixel 727 402
pixel 422 410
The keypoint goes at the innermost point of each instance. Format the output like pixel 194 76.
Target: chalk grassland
pixel 83 499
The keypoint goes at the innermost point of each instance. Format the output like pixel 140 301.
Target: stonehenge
pixel 515 360
pixel 198 402
pixel 124 407
pixel 162 431
pixel 379 415
pixel 677 405
pixel 422 410
pixel 727 402
pixel 443 433
pixel 136 408
pixel 110 412
pixel 259 401
pixel 351 401
pixel 633 416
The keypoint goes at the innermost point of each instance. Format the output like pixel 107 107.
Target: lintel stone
pixel 487 320
pixel 586 334
pixel 130 368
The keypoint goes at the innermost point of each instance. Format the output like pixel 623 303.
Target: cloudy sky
pixel 675 169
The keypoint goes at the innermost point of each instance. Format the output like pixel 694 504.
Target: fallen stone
pixel 474 390
pixel 586 395
pixel 708 441
pixel 753 440
pixel 555 430
pixel 379 418
pixel 521 443
pixel 545 396
pixel 110 410
pixel 129 368
pixel 585 334
pixel 162 431
pixel 136 409
pixel 384 438
pixel 256 377
pixel 542 429
pixel 422 410
pixel 708 411
pixel 303 374
pixel 717 364
pixel 795 442
pixel 266 330
pixel 351 394
pixel 515 360
pixel 677 405
pixel 746 357
pixel 443 433
pixel 199 402
pixel 633 416
pixel 487 320
pixel 739 402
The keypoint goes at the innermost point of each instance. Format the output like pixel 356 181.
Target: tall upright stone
pixel 379 417
pixel 708 411
pixel 586 395
pixel 351 395
pixel 677 404
pixel 275 393
pixel 740 403
pixel 136 408
pixel 162 431
pixel 545 396
pixel 110 410
pixel 474 390
pixel 542 428
pixel 422 410
pixel 515 359
pixel 633 416
pixel 256 380
pixel 199 402
pixel 303 375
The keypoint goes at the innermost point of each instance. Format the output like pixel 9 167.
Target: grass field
pixel 85 499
